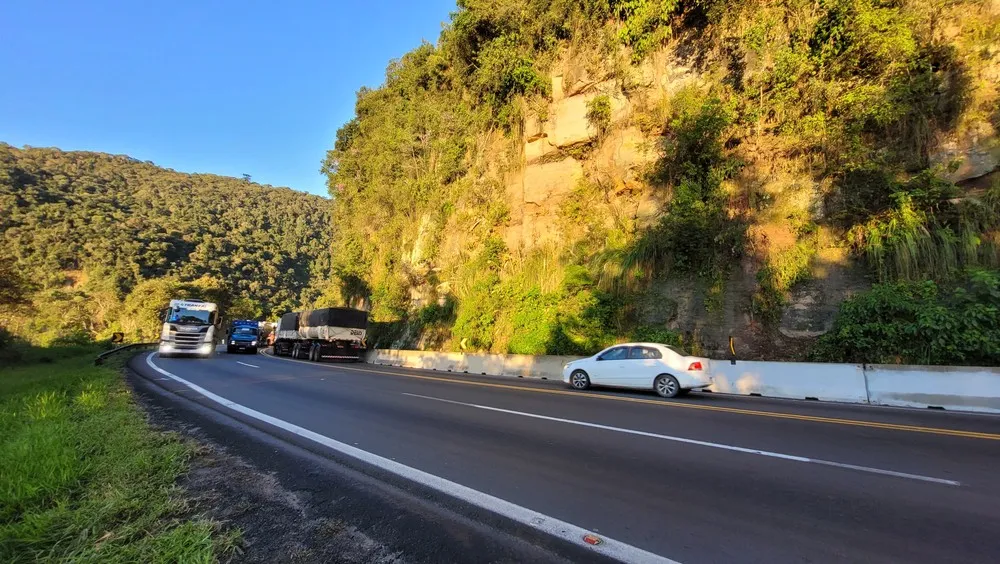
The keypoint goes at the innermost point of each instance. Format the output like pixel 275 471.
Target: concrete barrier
pixel 949 387
pixel 450 362
pixel 547 367
pixel 514 365
pixel 796 380
pixel 491 364
pixel 426 360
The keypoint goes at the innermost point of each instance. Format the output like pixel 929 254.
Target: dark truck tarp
pixel 333 317
pixel 288 322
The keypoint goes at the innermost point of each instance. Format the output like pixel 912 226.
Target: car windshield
pixel 244 331
pixel 677 350
pixel 184 316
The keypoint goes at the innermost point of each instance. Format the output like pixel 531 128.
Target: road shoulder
pixel 293 504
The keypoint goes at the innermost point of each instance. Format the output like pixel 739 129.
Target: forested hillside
pixel 553 175
pixel 92 243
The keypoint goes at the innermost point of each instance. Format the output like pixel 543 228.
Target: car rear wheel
pixel 667 386
pixel 579 380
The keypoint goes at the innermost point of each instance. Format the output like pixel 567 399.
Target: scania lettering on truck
pixel 189 328
pixel 334 333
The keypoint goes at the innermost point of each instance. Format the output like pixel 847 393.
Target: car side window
pixel 644 353
pixel 617 353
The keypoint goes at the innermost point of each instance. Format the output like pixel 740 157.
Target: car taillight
pixel 695 366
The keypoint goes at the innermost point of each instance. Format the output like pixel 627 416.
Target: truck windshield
pixel 184 316
pixel 244 331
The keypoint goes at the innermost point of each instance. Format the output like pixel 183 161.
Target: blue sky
pixel 201 86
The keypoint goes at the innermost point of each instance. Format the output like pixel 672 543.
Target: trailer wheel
pixel 295 350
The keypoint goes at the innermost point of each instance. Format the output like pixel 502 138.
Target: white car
pixel 649 366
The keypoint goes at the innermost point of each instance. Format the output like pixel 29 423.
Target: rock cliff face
pixel 589 179
pixel 561 149
pixel 970 154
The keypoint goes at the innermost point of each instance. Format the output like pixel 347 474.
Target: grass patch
pixel 84 478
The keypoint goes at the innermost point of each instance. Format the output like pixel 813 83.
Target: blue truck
pixel 243 336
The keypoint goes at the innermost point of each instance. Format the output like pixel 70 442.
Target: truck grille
pixel 186 340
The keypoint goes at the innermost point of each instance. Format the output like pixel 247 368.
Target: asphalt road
pixel 708 478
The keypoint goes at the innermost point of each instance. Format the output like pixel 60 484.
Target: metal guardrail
pixel 100 358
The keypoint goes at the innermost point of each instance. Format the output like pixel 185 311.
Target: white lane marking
pixel 550 525
pixel 245 364
pixel 767 453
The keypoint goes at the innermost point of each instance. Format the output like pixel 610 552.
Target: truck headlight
pixel 253 343
pixel 232 342
pixel 206 348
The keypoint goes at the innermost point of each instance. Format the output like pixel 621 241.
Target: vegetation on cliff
pixel 848 96
pixel 95 243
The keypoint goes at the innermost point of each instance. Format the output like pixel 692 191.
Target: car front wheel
pixel 579 380
pixel 667 386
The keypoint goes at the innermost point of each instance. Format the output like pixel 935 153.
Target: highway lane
pixel 677 478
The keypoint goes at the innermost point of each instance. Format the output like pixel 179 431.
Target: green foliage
pixel 649 334
pixel 696 234
pixel 846 91
pixel 860 81
pixel 783 271
pixel 504 71
pixel 84 478
pixel 398 160
pixel 516 314
pixel 437 312
pixel 923 233
pixel 697 228
pixel 84 230
pixel 599 113
pixel 644 23
pixel 13 286
pixel 920 323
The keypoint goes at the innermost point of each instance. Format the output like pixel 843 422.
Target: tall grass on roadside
pixel 909 244
pixel 84 478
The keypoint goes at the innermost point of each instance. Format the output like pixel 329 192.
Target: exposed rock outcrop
pixel 976 152
pixel 535 197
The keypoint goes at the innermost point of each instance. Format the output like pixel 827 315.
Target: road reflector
pixel 592 539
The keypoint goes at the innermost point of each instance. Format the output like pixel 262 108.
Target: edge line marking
pixel 555 527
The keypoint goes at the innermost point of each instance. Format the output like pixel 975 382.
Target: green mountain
pixel 92 240
pixel 554 175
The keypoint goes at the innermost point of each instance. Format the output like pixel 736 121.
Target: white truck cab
pixel 189 328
